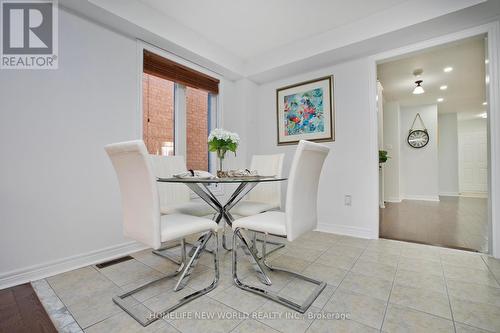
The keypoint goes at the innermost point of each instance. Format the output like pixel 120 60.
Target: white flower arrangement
pixel 221 141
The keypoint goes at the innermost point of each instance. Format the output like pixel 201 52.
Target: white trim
pixel 392 199
pixel 492 31
pixel 421 197
pixel 449 194
pixel 347 230
pixel 50 268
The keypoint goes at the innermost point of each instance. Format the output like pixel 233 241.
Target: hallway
pixel 457 222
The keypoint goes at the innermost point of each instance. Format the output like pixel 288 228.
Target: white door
pixel 473 163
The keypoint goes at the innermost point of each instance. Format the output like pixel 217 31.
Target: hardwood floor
pixel 21 311
pixel 456 222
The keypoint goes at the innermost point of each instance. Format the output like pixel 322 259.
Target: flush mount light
pixel 418 89
pixel 483 115
pixel 443 87
pixel 486 61
pixel 447 69
pixel 485 103
pixel 440 99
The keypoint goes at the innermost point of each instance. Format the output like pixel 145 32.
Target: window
pixel 177 110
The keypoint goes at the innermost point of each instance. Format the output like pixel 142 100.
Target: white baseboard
pixel 474 194
pixel 449 194
pixel 346 230
pixel 393 199
pixel 422 197
pixel 41 271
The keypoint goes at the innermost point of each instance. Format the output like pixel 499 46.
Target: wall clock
pixel 418 138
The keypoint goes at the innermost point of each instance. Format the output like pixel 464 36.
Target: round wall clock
pixel 418 138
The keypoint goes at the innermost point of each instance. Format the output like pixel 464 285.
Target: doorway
pixel 433 125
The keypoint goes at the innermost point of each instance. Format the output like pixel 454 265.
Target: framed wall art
pixel 305 111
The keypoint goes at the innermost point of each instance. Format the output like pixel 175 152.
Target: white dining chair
pixel 176 198
pixel 265 196
pixel 300 216
pixel 143 222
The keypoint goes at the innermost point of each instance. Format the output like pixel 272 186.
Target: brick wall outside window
pixel 158 107
pixel 197 129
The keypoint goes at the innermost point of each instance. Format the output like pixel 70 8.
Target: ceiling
pixel 466 83
pixel 249 28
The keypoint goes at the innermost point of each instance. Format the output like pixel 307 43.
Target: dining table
pixel 203 187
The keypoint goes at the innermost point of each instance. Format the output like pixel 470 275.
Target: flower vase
pixel 221 154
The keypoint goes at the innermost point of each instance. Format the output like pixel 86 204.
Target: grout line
pixel 390 292
pixel 447 293
pixel 489 270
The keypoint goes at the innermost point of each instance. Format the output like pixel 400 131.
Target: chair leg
pixel 302 308
pixel 251 253
pixel 129 308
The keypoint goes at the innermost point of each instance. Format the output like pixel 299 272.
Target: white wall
pixel 472 156
pixel 392 139
pixel 59 197
pixel 448 154
pixel 347 169
pixel 419 167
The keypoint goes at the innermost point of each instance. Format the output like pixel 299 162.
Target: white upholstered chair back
pixel 166 167
pixel 267 165
pixel 302 191
pixel 141 211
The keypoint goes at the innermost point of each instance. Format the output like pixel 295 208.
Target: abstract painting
pixel 305 111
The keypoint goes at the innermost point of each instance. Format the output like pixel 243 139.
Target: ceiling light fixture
pixel 448 69
pixel 440 99
pixel 485 103
pixel 418 89
pixel 484 115
pixel 443 87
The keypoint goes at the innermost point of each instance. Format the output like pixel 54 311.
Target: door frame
pixel 493 93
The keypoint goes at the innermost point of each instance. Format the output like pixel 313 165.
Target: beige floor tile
pixel 421 299
pixel 167 299
pixel 420 280
pixel 335 260
pixel 123 323
pixel 474 292
pixel 493 264
pixel 339 326
pixel 385 246
pixel 367 285
pixel 476 314
pixel 96 307
pixel 464 274
pixel 285 319
pixel 129 271
pixel 253 326
pixel 361 243
pixel 154 261
pixel 303 253
pixel 321 237
pixel 278 279
pixel 290 263
pixel 406 320
pixel 345 250
pixel 361 308
pixel 319 245
pixel 330 275
pixel 462 328
pixel 380 258
pixel 420 265
pixel 239 299
pixel 205 315
pixel 382 271
pixel 463 259
pixel 421 252
pixel 75 285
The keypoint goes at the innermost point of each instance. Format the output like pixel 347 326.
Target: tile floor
pixel 373 286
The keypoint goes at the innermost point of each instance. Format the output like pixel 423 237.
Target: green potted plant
pixel 382 156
